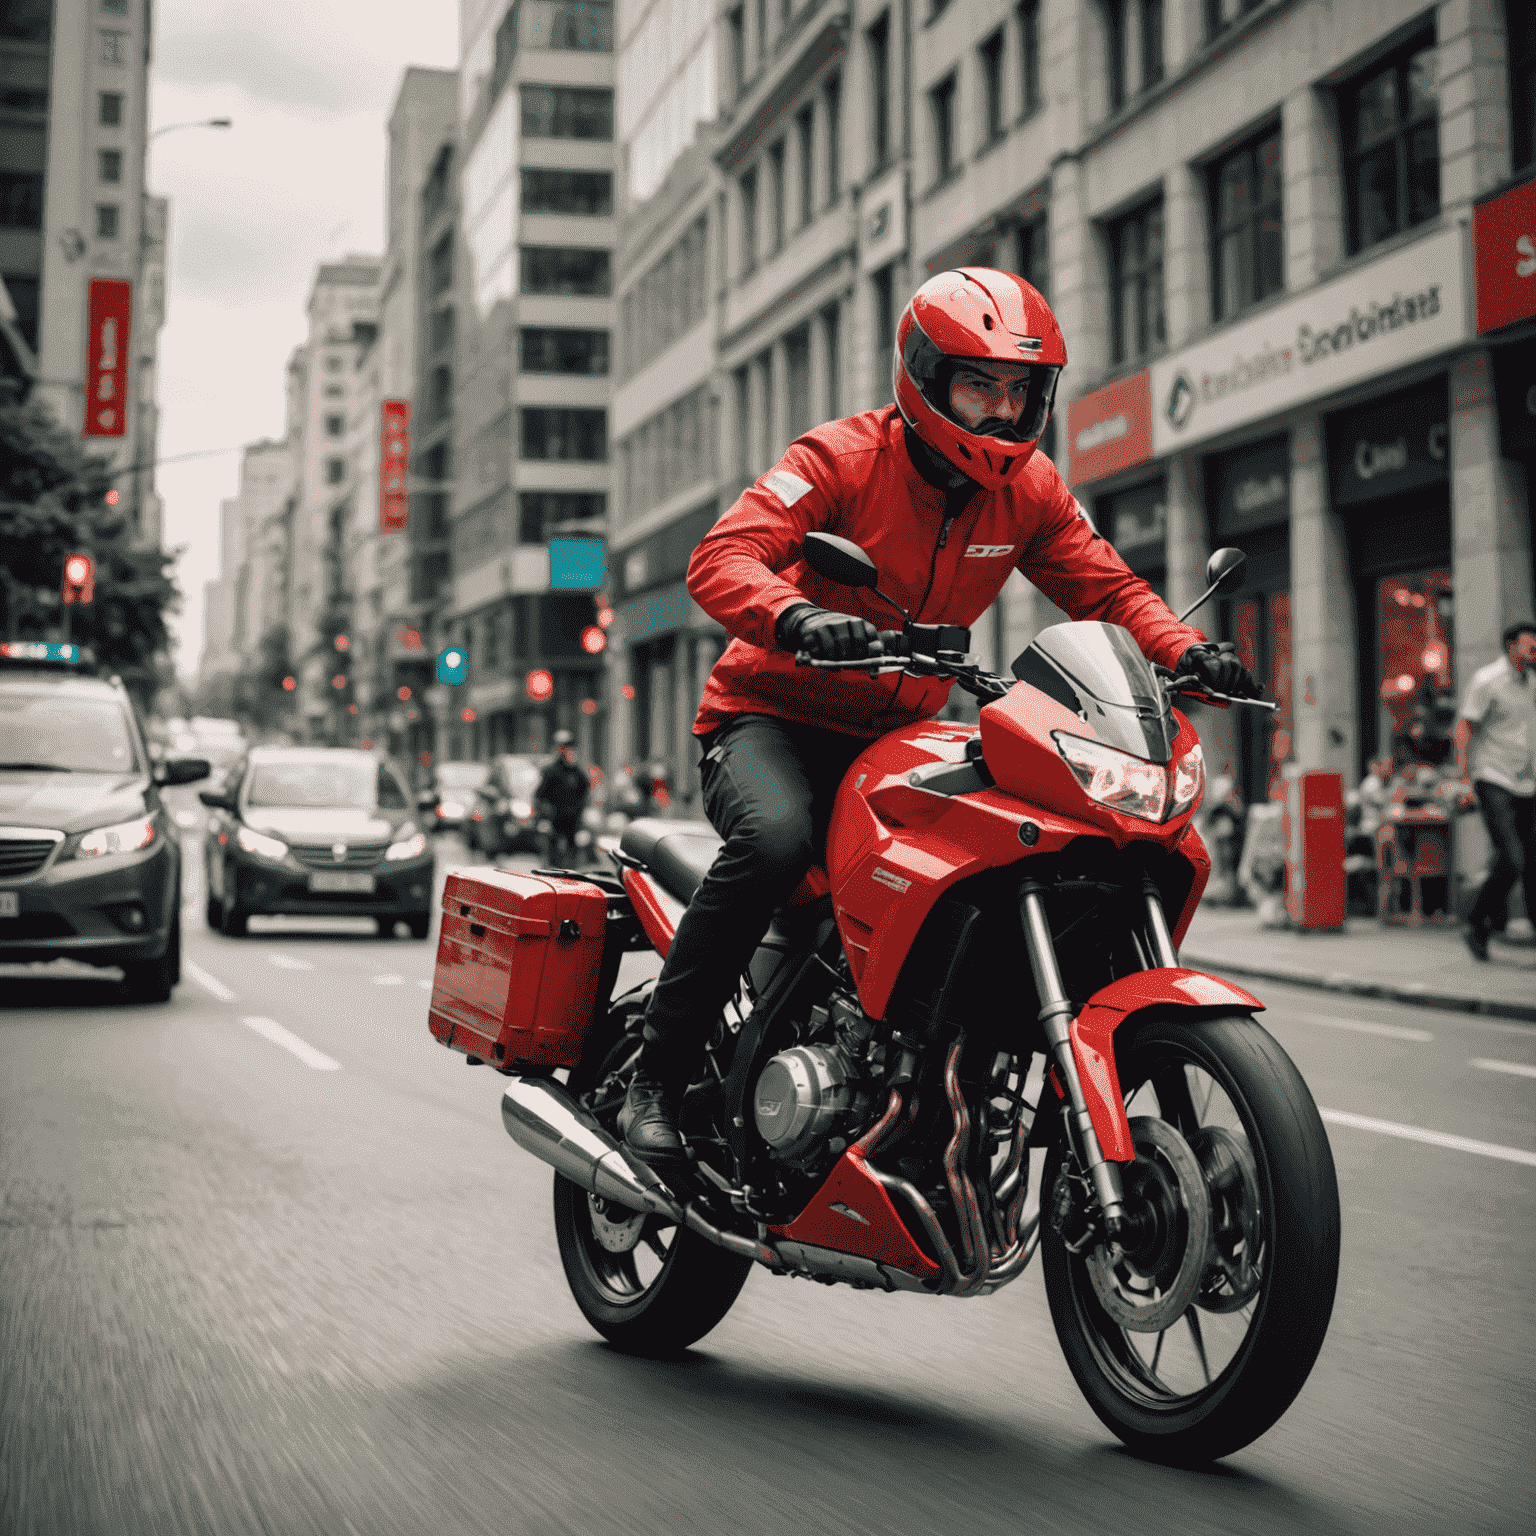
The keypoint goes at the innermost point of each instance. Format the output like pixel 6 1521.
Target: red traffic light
pixel 342 643
pixel 79 578
pixel 351 709
pixel 339 681
pixel 593 640
pixel 601 599
pixel 627 692
pixel 588 706
pixel 540 684
pixel 290 683
pixel 467 715
pixel 403 692
pixel 112 498
pixel 605 618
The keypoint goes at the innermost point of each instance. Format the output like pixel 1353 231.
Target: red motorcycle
pixel 981 982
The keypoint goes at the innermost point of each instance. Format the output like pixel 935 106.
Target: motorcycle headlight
pixel 1130 785
pixel 260 844
pixel 1188 780
pixel 408 848
pixel 121 837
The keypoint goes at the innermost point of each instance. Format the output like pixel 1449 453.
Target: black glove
pixel 1218 669
pixel 826 635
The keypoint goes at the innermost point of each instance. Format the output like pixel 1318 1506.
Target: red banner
pixel 106 358
pixel 1111 429
pixel 394 467
pixel 1504 237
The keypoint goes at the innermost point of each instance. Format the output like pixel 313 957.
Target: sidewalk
pixel 1429 966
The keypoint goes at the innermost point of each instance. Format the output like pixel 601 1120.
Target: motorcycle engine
pixel 811 1099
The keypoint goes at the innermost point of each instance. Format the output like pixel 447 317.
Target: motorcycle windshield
pixel 1098 672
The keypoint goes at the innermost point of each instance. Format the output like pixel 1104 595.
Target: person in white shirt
pixel 1495 737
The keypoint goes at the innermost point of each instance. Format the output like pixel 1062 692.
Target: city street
pixel 268 1262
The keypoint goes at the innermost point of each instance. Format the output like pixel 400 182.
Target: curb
pixel 1354 986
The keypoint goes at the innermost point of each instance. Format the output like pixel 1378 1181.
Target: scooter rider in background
pixel 562 796
pixel 946 494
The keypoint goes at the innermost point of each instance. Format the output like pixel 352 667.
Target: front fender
pixel 1093 1043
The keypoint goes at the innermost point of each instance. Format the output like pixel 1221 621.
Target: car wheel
pixel 214 913
pixel 420 924
pixel 234 923
pixel 152 981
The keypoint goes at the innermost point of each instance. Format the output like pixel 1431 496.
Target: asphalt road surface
pixel 269 1263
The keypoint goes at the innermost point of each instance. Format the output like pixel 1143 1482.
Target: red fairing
pixel 854 478
pixel 657 910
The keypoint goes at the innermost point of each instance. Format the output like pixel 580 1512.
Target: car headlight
pixel 408 848
pixel 259 843
pixel 1131 785
pixel 121 837
pixel 522 809
pixel 449 808
pixel 1188 780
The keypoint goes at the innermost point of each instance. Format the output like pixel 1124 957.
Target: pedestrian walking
pixel 1495 737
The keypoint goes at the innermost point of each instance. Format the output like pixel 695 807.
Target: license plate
pixel 10 904
pixel 342 880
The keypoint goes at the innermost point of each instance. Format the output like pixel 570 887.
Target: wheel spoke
pixel 1192 1317
pixel 652 1240
pixel 1173 1099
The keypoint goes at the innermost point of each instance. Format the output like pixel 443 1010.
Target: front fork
pixel 1056 1015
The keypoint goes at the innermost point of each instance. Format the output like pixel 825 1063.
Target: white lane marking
pixel 1514 1068
pixel 1430 1138
pixel 389 981
pixel 206 982
pixel 270 1029
pixel 1359 1026
pixel 289 963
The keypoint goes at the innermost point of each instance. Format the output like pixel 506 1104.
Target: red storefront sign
pixel 106 359
pixel 1111 429
pixel 394 467
pixel 1504 239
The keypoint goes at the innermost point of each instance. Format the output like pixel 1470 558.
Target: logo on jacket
pixel 787 487
pixel 987 551
pixel 886 878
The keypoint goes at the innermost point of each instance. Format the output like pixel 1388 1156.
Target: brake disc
pixel 616 1227
pixel 1150 1298
pixel 1232 1177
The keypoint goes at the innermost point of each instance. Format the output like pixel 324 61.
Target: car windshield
pixel 314 783
pixel 462 775
pixel 64 733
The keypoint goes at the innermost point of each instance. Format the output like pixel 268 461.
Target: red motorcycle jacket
pixel 855 478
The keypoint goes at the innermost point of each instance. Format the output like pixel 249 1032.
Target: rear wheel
pixel 645 1284
pixel 1191 1343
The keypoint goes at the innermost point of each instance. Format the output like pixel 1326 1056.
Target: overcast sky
pixel 298 180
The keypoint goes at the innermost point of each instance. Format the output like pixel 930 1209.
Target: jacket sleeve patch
pixel 787 487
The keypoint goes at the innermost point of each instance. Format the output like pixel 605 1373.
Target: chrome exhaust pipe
pixel 542 1118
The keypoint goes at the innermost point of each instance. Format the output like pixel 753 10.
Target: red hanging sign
pixel 394 467
pixel 1504 238
pixel 106 358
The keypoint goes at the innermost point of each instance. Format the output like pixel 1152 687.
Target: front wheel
pixel 648 1286
pixel 1194 1340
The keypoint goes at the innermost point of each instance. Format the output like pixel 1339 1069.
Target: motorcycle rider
pixel 946 494
pixel 562 794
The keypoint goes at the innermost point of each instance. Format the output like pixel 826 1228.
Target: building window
pixel 114 49
pixel 1136 277
pixel 760 16
pixel 562 433
pixel 588 194
pixel 941 104
pixel 106 221
pixel 1114 47
pixel 737 21
pixel 992 87
pixel 334 426
pixel 1247 226
pixel 567 112
pixel 335 471
pixel 109 109
pixel 747 185
pixel 797 381
pixel 1033 253
pixel 1392 135
pixel 1520 19
pixel 440 265
pixel 830 330
pixel 572 271
pixel 832 95
pixel 878 38
pixel 23 291
pixel 673 450
pixel 1029 54
pixel 883 292
pixel 776 193
pixel 742 379
pixel 21 199
pixel 115 7
pixel 805 144
pixel 583 26
pixel 444 325
pixel 333 364
pixel 109 165
pixel 440 400
pixel 1151 42
pixel 668 300
pixel 541 514
pixel 333 392
pixel 560 351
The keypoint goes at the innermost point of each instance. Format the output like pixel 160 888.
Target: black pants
pixel 1511 823
pixel 768 789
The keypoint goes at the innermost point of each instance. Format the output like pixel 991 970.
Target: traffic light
pixel 403 692
pixel 452 665
pixel 343 644
pixel 290 683
pixel 79 579
pixel 593 640
pixel 540 685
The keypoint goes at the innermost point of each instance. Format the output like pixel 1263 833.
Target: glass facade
pixel 667 84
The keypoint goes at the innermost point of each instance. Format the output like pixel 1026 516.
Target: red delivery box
pixel 517 966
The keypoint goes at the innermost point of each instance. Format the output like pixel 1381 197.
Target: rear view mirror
pixel 839 560
pixel 183 770
pixel 1224 570
pixel 215 800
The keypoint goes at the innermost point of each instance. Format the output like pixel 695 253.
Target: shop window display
pixel 1417 687
pixel 1261 630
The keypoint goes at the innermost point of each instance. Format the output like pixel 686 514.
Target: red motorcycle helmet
pixel 970 313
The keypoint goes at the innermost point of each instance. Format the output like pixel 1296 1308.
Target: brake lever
pixel 1205 695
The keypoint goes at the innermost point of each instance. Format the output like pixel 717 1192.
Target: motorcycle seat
pixel 678 853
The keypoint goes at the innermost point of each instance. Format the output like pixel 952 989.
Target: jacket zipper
pixel 933 566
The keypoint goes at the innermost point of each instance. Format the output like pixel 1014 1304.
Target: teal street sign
pixel 452 665
pixel 577 565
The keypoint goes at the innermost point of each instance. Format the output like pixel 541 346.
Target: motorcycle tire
pixel 1244 1346
pixel 688 1284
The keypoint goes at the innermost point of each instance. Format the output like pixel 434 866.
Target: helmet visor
pixel 933 373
